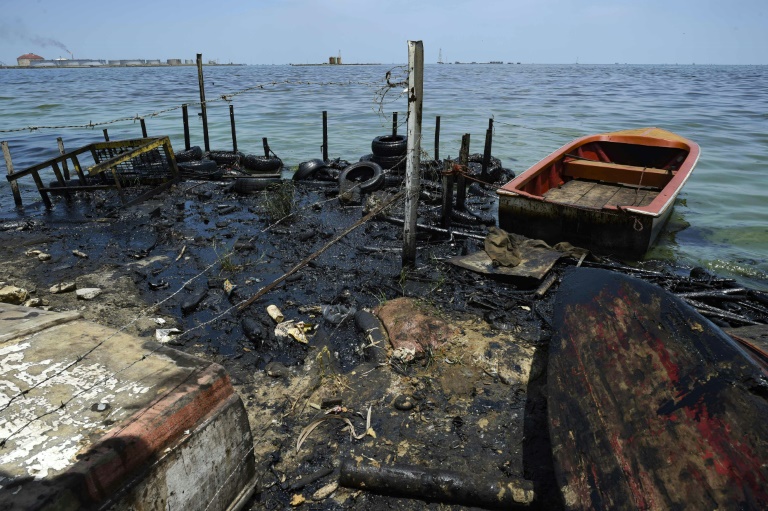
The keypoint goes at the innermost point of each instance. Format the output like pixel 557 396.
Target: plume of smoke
pixel 15 30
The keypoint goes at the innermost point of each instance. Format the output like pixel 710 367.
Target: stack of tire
pixel 263 173
pixel 192 164
pixel 389 152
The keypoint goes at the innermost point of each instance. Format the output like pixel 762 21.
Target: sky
pixel 377 31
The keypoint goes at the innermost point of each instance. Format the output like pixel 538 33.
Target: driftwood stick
pixel 437 485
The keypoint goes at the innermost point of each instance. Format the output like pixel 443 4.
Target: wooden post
pixel 437 137
pixel 461 181
pixel 106 135
pixel 412 185
pixel 185 119
pixel 202 100
pixel 394 124
pixel 325 135
pixel 487 152
pixel 232 123
pixel 445 214
pixel 9 166
pixel 266 147
pixel 143 128
pixel 64 165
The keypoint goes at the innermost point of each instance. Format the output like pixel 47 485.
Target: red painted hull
pixel 651 406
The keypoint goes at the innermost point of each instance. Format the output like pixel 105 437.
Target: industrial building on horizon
pixel 33 60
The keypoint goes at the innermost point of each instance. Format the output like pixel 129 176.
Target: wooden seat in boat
pixel 616 173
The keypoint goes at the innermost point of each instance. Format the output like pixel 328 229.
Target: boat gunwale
pixel 652 137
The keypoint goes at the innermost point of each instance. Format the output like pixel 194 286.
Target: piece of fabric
pixel 508 249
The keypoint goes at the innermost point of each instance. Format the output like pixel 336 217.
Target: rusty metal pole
pixel 412 165
pixel 202 100
pixel 437 137
pixel 106 135
pixel 9 166
pixel 325 135
pixel 266 147
pixel 143 128
pixel 232 123
pixel 185 120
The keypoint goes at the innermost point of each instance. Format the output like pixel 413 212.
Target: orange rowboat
pixel 611 192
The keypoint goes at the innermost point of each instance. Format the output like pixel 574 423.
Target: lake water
pixel 720 219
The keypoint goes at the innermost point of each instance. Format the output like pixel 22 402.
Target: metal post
pixel 412 185
pixel 106 135
pixel 185 119
pixel 394 124
pixel 325 135
pixel 143 128
pixel 9 165
pixel 266 147
pixel 64 165
pixel 461 181
pixel 232 123
pixel 202 100
pixel 437 137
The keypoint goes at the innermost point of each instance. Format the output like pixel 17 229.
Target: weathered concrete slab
pixel 91 416
pixel 16 320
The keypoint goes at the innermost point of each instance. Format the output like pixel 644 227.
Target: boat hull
pixel 606 231
pixel 611 193
pixel 650 405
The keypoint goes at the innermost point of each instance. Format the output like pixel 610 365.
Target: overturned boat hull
pixel 650 405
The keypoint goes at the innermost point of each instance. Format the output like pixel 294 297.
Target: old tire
pixel 191 154
pixel 389 145
pixel 225 157
pixel 254 184
pixel 200 169
pixel 368 176
pixel 262 163
pixel 308 169
pixel 396 163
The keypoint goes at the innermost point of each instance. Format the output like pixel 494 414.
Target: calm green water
pixel 720 220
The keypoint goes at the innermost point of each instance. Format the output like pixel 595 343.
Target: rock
pixel 44 257
pixel 36 302
pixel 253 330
pixel 276 370
pixel 193 301
pixel 88 293
pixel 81 255
pixel 13 295
pixel 63 287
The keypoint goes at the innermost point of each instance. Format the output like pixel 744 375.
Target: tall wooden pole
pixel 64 164
pixel 437 137
pixel 413 161
pixel 232 124
pixel 394 124
pixel 325 135
pixel 185 120
pixel 202 100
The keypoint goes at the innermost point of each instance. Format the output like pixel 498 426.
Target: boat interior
pixel 604 173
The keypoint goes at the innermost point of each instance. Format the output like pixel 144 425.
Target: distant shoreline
pixel 334 65
pixel 118 65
